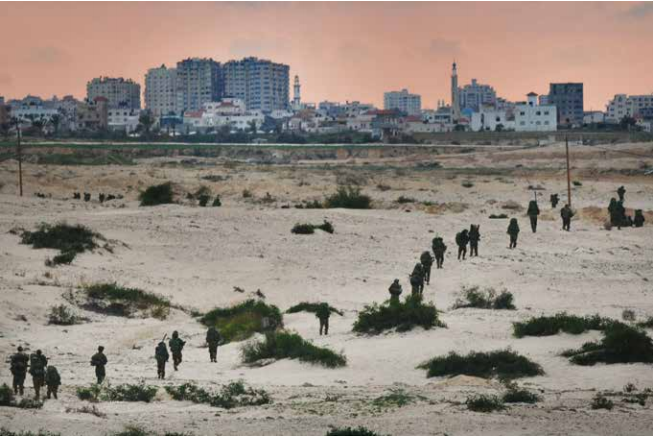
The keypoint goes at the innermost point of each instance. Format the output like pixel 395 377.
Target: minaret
pixel 297 99
pixel 455 96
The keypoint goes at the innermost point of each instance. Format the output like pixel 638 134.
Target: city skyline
pixel 340 51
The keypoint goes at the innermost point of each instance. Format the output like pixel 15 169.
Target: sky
pixel 341 51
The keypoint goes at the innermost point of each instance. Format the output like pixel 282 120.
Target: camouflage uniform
pixel 533 212
pixel 474 237
pixel 513 231
pixel 427 262
pixel 395 291
pixel 19 364
pixel 554 200
pixel 99 361
pixel 213 338
pixel 176 345
pixel 439 248
pixel 639 218
pixel 621 192
pixel 52 381
pixel 566 214
pixel 418 273
pixel 462 239
pixel 37 365
pixel 612 210
pixel 161 355
pixel 323 313
pixel 620 212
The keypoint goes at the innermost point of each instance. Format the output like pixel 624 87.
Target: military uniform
pixel 176 345
pixel 513 231
pixel 37 365
pixel 612 210
pixel 554 200
pixel 19 364
pixel 99 361
pixel 439 248
pixel 395 290
pixel 620 212
pixel 427 262
pixel 462 239
pixel 323 313
pixel 621 192
pixel 417 277
pixel 161 355
pixel 474 237
pixel 566 214
pixel 213 338
pixel 639 218
pixel 533 212
pixel 52 381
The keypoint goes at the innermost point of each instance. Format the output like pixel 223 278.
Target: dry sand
pixel 195 256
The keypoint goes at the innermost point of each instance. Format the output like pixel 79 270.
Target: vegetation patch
pixel 241 321
pixel 157 194
pixel 648 324
pixel 309 229
pixel 485 403
pixel 68 239
pixel 234 394
pixel 124 392
pixel 114 299
pixel 560 322
pixel 312 308
pixel 285 345
pixel 503 364
pixel 7 399
pixel 5 432
pixel 350 431
pixel 63 315
pixel 484 299
pixel 348 197
pixel 396 398
pixel 501 216
pixel 515 394
pixel 403 200
pixel 601 402
pixel 402 316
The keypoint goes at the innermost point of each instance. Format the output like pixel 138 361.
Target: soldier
pixel 566 214
pixel 52 381
pixel 213 338
pixel 19 364
pixel 87 196
pixel 161 355
pixel 439 248
pixel 99 361
pixel 462 239
pixel 418 272
pixel 77 196
pixel 554 200
pixel 474 237
pixel 176 344
pixel 323 313
pixel 101 197
pixel 612 210
pixel 620 212
pixel 427 262
pixel 395 291
pixel 533 212
pixel 37 365
pixel 621 192
pixel 639 218
pixel 513 231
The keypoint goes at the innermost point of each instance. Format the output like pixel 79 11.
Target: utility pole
pixel 568 173
pixel 19 153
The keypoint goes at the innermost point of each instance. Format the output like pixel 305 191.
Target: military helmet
pixel 100 348
pixel 175 334
pixel 20 348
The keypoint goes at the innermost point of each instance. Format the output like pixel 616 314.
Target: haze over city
pixel 341 51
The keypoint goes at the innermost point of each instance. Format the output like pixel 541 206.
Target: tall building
pixel 198 81
pixel 403 101
pixel 260 83
pixel 455 94
pixel 475 96
pixel 160 90
pixel 297 96
pixel 568 99
pixel 119 92
pixel 623 105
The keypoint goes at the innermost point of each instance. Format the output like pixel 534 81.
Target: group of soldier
pixel 617 211
pixel 37 366
pixel 101 196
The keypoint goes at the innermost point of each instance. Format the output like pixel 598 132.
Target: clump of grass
pixel 63 315
pixel 234 394
pixel 403 200
pixel 348 197
pixel 6 395
pixel 157 194
pixel 503 364
pixel 501 216
pixel 125 392
pixel 515 394
pixel 247 193
pixel 68 239
pixel 621 343
pixel 350 431
pixel 560 322
pixel 484 299
pixel 216 201
pixel 311 307
pixel 577 183
pixel 467 184
pixel 402 316
pixel 485 403
pixel 628 315
pixel 285 345
pixel 133 430
pixel 309 229
pixel 115 299
pixel 396 398
pixel 7 399
pixel 241 321
pixel 601 402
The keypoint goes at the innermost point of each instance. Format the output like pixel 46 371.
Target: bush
pixel 504 364
pixel 158 194
pixel 621 343
pixel 646 324
pixel 217 202
pixel 326 226
pixel 125 392
pixel 6 395
pixel 348 197
pixel 285 345
pixel 516 395
pixel 601 402
pixel 62 315
pixel 350 431
pixel 311 307
pixel 91 393
pixel 402 316
pixel 7 399
pixel 303 229
pixel 552 325
pixel 484 403
pixel 404 200
pixel 69 240
pixel 247 193
pixel 396 398
pixel 577 183
pixel 628 315
pixel 467 184
pixel 242 320
pixel 487 299
pixel 115 299
pixel 235 394
pixel 133 430
pixel 501 216
pixel 65 258
pixel 203 200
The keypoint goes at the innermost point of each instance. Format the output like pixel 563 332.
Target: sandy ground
pixel 195 256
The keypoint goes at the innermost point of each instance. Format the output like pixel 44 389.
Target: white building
pixel 160 91
pixel 488 120
pixel 123 119
pixel 532 117
pixel 404 101
pixel 623 105
pixel 360 123
pixel 593 117
pixel 119 92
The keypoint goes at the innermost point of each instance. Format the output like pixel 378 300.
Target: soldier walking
pixel 639 218
pixel 323 313
pixel 213 338
pixel 427 262
pixel 533 212
pixel 395 291
pixel 52 381
pixel 462 239
pixel 554 200
pixel 417 276
pixel 176 344
pixel 99 361
pixel 439 248
pixel 161 355
pixel 513 231
pixel 621 192
pixel 37 365
pixel 19 364
pixel 566 214
pixel 474 237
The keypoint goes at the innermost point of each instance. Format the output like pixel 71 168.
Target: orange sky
pixel 341 51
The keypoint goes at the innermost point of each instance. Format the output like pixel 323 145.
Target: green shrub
pixel 404 200
pixel 601 402
pixel 125 392
pixel 501 216
pixel 133 430
pixel 396 398
pixel 315 204
pixel 621 343
pixel 69 240
pixel 247 193
pixel 348 197
pixel 350 431
pixel 467 184
pixel 203 200
pixel 484 403
pixel 628 315
pixel 303 229
pixel 504 364
pixel 119 300
pixel 561 322
pixel 239 322
pixel 63 315
pixel 577 183
pixel 217 202
pixel 515 394
pixel 285 345
pixel 65 258
pixel 326 226
pixel 487 299
pixel 158 194
pixel 311 307
pixel 91 393
pixel 235 394
pixel 6 395
pixel 7 399
pixel 646 324
pixel 402 316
